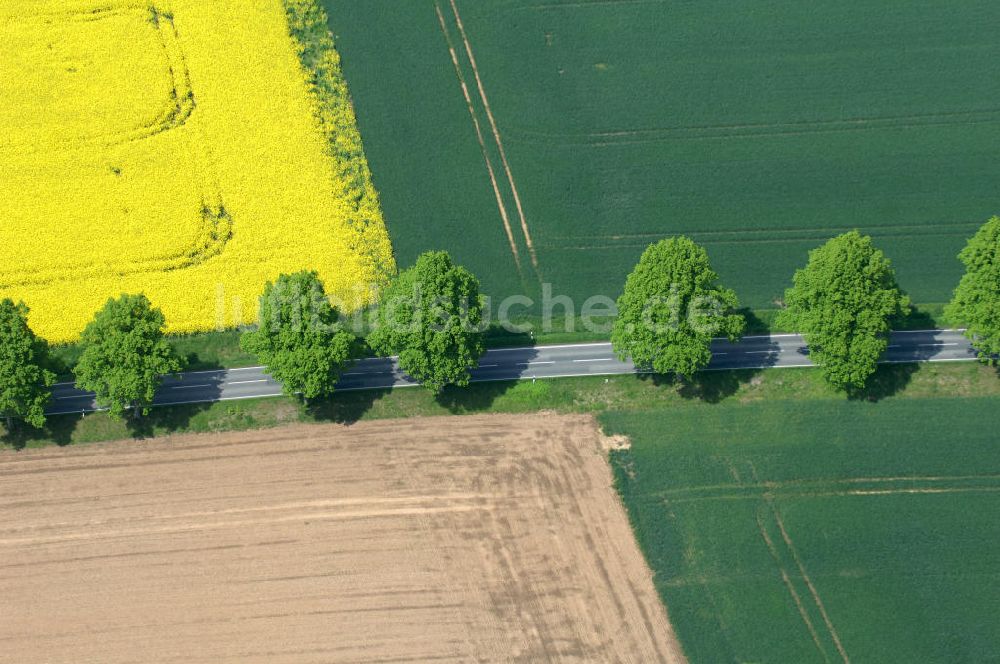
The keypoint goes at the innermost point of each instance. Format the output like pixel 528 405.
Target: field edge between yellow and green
pixel 334 113
pixel 278 153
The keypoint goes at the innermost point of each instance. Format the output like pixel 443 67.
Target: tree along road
pixel 596 359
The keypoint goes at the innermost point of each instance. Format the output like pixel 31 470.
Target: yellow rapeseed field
pixel 175 148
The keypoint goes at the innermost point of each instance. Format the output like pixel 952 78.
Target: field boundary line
pixel 482 141
pixel 496 137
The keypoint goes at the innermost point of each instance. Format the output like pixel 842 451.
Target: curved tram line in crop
pixel 216 222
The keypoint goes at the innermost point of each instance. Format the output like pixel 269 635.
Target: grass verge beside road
pixel 590 394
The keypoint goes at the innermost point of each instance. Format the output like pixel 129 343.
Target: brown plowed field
pixel 453 539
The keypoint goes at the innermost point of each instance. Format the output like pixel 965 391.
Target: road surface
pixel 597 359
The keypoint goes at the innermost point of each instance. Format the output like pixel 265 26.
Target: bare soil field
pixel 454 539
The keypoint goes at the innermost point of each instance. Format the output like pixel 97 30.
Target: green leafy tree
pixel 125 355
pixel 671 308
pixel 300 338
pixel 431 316
pixel 976 303
pixel 844 302
pixel 24 380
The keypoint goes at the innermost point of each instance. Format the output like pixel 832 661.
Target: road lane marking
pixel 186 387
pixel 599 359
pixel 246 382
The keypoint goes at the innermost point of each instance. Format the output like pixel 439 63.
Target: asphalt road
pixel 597 359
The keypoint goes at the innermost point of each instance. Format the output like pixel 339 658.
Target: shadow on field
pixel 916 319
pixel 715 386
pixel 475 398
pixel 500 337
pixel 164 420
pixel 706 386
pixel 345 407
pixel 756 324
pixel 193 362
pixel 58 429
pixel 888 380
pixel 208 351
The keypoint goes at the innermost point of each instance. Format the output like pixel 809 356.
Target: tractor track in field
pixel 755 130
pixel 501 206
pixel 818 488
pixel 479 538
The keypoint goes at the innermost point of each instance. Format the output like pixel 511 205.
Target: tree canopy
pixel 976 302
pixel 431 316
pixel 671 308
pixel 124 355
pixel 300 338
pixel 24 378
pixel 843 302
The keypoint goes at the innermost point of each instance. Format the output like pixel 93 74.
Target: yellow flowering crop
pixel 178 149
